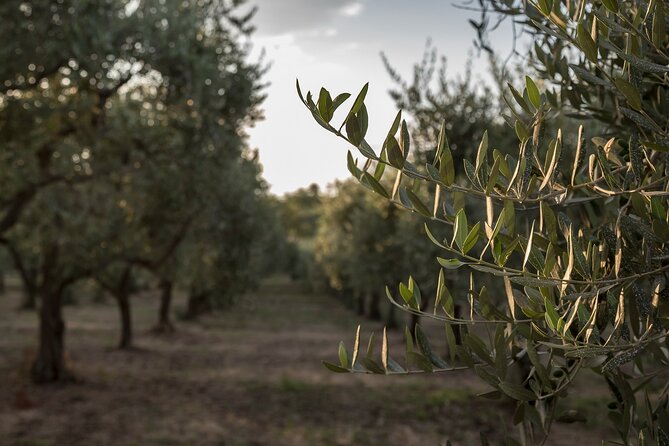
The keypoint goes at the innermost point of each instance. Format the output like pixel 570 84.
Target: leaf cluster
pixel 575 231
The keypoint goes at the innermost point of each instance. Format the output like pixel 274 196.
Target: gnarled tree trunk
pixel 120 289
pixel 49 365
pixel 164 315
pixel 125 342
pixel 198 303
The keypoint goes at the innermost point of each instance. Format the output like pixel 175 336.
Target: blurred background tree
pixel 364 244
pixel 469 105
pixel 123 129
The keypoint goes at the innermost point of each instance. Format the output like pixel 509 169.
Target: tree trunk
pixel 49 366
pixel 126 320
pixel 123 298
pixel 164 315
pixel 198 303
pixel 2 282
pixel 374 311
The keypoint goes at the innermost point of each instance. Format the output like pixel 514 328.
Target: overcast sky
pixel 336 44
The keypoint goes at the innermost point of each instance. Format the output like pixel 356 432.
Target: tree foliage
pixel 364 243
pixel 299 213
pixel 124 148
pixel 468 105
pixel 576 226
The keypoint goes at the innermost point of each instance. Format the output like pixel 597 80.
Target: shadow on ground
pixel 250 376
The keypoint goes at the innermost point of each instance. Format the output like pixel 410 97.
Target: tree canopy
pixel 575 229
pixel 124 147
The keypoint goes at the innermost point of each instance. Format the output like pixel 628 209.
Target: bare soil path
pixel 249 376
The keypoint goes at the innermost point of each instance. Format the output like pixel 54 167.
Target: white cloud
pixel 352 9
pixel 351 46
pixel 281 16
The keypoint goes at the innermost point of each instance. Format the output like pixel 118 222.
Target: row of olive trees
pixel 123 150
pixel 576 228
pixel 363 243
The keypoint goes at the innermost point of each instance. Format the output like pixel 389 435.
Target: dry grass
pixel 250 376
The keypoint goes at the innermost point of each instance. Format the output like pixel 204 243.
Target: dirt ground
pixel 249 376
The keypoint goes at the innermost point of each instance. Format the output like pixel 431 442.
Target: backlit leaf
pixel 532 92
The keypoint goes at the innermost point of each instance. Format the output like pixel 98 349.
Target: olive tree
pixel 99 103
pixel 467 105
pixel 222 256
pixel 364 243
pixel 299 213
pixel 582 281
pixel 346 242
